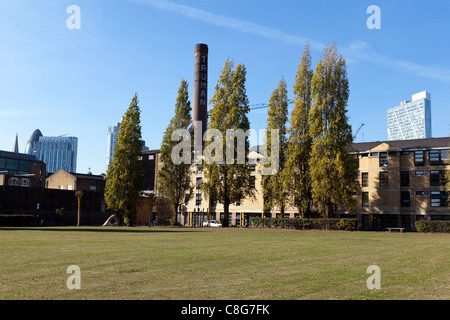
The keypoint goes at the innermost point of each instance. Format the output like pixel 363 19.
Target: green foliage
pixel 333 170
pixel 125 176
pixel 433 226
pixel 296 177
pixel 308 223
pixel 228 182
pixel 274 189
pixel 172 182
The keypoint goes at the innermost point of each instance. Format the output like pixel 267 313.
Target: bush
pixel 298 223
pixel 433 226
pixel 348 224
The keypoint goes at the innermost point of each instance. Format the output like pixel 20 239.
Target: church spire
pixel 16 144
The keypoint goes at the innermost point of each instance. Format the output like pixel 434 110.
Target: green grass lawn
pixel 226 263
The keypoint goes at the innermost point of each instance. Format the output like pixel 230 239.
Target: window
pixel 384 179
pixel 93 188
pixel 11 166
pixel 24 166
pixel 420 193
pixel 438 199
pixel 25 183
pixel 252 182
pixel 14 182
pixel 198 184
pixel 435 157
pixel 238 203
pixel 364 155
pixel 151 157
pixel 438 156
pixel 437 178
pixel 393 153
pixel 405 199
pixel 404 153
pixel 419 173
pixel 404 178
pixel 198 199
pixel 364 179
pixel 365 199
pixel 374 154
pixel 383 159
pixel 252 167
pixel 199 169
pixel 140 158
pixel 444 155
pixel 418 158
pixel 69 187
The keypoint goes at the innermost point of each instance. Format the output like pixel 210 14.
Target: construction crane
pixel 357 131
pixel 263 105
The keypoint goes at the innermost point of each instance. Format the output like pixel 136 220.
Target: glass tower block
pixel 411 119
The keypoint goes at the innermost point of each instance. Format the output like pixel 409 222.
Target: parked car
pixel 212 223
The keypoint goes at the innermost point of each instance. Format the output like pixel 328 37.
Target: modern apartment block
pixel 401 181
pixel 57 152
pixel 411 119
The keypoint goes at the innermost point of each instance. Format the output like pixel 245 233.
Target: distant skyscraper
pixel 57 152
pixel 411 119
pixel 111 141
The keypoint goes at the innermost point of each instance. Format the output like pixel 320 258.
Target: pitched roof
pixel 406 144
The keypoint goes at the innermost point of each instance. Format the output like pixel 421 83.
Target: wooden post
pixel 79 195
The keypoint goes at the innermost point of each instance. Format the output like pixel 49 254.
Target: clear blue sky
pixel 79 82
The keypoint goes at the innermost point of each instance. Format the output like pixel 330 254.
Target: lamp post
pixel 79 195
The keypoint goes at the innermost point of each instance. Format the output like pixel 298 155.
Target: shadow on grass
pixel 105 229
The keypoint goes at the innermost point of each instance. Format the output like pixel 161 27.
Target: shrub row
pixel 433 226
pixel 298 223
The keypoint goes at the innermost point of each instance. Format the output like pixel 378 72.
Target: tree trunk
pixel 226 210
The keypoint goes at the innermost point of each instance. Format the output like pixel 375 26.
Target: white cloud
pixel 357 51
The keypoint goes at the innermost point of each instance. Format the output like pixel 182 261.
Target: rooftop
pixel 443 142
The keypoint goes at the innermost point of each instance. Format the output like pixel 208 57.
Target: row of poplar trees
pixel 317 172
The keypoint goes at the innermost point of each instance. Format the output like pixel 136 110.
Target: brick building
pixel 64 180
pixel 401 182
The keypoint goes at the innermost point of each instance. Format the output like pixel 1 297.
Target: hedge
pixel 433 226
pixel 297 223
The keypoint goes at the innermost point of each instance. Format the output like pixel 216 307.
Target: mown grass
pixel 226 263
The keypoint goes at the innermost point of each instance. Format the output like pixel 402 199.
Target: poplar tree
pixel 273 186
pixel 125 175
pixel 332 168
pixel 173 180
pixel 228 181
pixel 298 152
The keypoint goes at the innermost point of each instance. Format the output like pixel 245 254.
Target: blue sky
pixel 79 82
